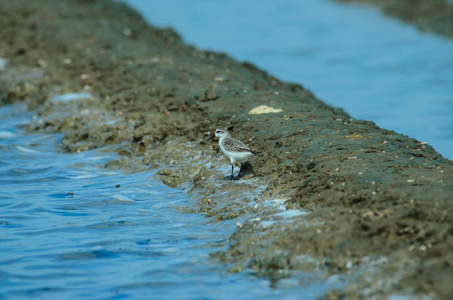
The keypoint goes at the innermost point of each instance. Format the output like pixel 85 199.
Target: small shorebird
pixel 234 149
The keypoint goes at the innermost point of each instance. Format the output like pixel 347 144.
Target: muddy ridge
pixel 434 16
pixel 369 204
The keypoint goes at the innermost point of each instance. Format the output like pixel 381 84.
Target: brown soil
pixel 377 205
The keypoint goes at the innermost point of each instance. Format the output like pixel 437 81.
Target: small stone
pixel 127 31
pixel 264 109
pixel 349 265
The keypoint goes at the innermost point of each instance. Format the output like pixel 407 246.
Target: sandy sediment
pixel 369 204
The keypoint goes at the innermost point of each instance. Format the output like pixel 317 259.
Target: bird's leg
pixel 231 177
pixel 239 174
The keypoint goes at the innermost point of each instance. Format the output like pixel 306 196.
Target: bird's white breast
pixel 234 156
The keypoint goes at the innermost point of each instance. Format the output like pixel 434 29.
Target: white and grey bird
pixel 236 150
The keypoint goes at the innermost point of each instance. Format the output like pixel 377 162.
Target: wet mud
pixel 329 193
pixel 434 16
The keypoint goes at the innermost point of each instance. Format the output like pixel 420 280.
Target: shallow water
pixel 72 229
pixel 350 56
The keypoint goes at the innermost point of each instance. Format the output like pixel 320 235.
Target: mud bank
pixel 428 15
pixel 368 204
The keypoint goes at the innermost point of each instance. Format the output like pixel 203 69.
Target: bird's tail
pixel 256 152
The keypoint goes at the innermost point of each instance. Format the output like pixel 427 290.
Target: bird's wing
pixel 235 145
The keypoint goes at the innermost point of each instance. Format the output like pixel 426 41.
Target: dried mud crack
pixel 373 205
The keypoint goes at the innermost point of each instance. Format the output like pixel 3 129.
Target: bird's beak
pixel 211 138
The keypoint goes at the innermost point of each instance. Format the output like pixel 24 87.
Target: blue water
pixel 350 56
pixel 70 228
